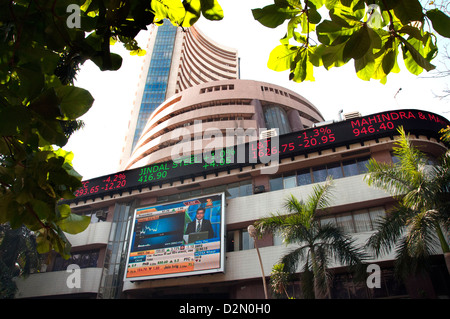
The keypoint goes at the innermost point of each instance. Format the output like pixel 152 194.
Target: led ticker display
pixel 177 239
pixel 262 151
pixel 350 131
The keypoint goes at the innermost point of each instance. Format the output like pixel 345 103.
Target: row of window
pixel 270 89
pixel 351 222
pixel 357 221
pixel 319 174
pixel 302 177
pixel 217 88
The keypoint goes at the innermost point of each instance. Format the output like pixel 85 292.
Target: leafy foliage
pixel 371 33
pixel 279 279
pixel 41 50
pixel 18 257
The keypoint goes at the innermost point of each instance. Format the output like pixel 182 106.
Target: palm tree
pixel 415 225
pixel 318 244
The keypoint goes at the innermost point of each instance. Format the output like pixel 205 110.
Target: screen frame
pixel 219 269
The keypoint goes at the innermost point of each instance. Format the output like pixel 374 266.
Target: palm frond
pixel 410 157
pixel 387 177
pixel 421 236
pixel 322 276
pixel 272 223
pixel 321 196
pixel 405 264
pixel 341 246
pixel 441 184
pixel 389 230
pixel 292 258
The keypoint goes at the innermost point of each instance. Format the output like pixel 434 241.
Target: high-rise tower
pixel 176 60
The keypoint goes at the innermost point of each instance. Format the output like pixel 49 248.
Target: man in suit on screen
pixel 200 224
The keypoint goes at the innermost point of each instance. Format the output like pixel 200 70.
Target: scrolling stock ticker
pixel 327 136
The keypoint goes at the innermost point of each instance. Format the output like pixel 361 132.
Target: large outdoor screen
pixel 177 239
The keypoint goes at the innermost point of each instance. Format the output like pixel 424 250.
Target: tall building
pixel 176 59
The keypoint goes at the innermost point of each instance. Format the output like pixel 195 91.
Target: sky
pixel 97 147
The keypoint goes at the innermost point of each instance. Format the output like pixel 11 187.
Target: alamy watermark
pixel 74 19
pixel 74 279
pixel 374 279
pixel 259 150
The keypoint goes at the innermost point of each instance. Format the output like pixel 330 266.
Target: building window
pixel 290 181
pixel 304 177
pixel 276 183
pixel 239 189
pixel 319 174
pixel 276 117
pixel 247 242
pixel 230 240
pixel 357 221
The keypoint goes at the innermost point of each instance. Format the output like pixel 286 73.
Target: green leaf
pixel 13 119
pixel 303 69
pixel 364 66
pixel 46 104
pixel 74 224
pixel 51 131
pixel 212 10
pixel 358 44
pixel 272 16
pixel 42 209
pixel 440 21
pixel 389 60
pixel 281 57
pixel 74 101
pixel 169 9
pixel 64 210
pixel 414 61
pixel 104 65
pixel 332 33
pixel 317 3
pixel 193 12
pixel 412 31
pixel 315 55
pixel 408 11
pixel 430 49
pixel 333 56
pixel 313 15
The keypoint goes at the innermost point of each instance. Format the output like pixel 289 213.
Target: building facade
pixel 176 59
pixel 252 190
